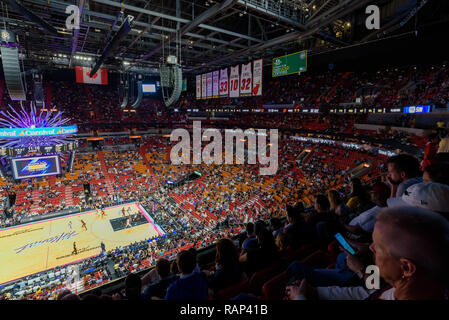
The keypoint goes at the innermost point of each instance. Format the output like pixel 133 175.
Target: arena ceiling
pixel 210 33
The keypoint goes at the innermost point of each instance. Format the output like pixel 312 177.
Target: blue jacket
pixel 191 287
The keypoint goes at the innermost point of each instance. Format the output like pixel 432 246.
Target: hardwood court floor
pixel 38 246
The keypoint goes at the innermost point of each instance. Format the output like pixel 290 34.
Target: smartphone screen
pixel 344 243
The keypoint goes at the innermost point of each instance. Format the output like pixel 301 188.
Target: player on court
pixel 75 250
pixel 70 225
pixel 83 225
pixel 103 214
pixel 123 211
pixel 128 210
pixel 128 223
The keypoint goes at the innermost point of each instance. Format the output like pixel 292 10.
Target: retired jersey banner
pixel 215 77
pixel 246 80
pixel 257 77
pixel 209 85
pixel 224 87
pixel 203 86
pixel 198 86
pixel 234 82
pixel 82 75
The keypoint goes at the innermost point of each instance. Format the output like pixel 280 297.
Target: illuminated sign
pixel 33 167
pixel 37 132
pixel 342 144
pixel 417 109
pixel 148 88
pixel 289 64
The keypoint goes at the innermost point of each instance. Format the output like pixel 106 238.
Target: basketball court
pixel 42 245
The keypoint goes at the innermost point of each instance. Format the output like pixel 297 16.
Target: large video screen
pixel 33 167
pixel 148 88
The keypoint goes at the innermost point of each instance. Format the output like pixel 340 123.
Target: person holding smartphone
pixel 348 271
pixel 410 247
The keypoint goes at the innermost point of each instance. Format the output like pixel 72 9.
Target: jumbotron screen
pixel 148 88
pixel 33 167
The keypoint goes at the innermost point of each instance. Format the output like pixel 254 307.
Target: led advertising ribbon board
pixel 37 132
pixel 289 64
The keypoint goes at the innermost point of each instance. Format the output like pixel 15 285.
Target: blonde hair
pixel 334 199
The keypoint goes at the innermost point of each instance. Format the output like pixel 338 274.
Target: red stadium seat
pixel 260 277
pixel 318 259
pixel 232 291
pixel 333 250
pixel 300 253
pixel 274 289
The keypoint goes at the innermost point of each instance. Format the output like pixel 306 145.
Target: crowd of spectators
pixel 348 207
pixel 289 220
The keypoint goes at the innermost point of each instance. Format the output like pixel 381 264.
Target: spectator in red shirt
pixel 431 150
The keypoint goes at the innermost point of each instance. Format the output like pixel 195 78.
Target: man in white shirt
pixel 364 222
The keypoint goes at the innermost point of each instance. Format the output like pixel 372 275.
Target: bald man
pixel 411 249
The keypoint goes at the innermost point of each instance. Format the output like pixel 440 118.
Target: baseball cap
pixel 428 195
pixel 382 189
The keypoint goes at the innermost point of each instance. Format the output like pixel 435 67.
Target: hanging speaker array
pixel 11 65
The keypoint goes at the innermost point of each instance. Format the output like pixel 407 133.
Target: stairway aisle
pixel 107 176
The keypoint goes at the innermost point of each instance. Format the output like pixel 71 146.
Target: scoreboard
pixel 33 167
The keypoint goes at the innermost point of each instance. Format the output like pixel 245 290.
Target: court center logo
pixel 58 238
pixel 256 152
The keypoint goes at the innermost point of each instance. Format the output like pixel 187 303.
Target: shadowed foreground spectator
pixel 191 285
pixel 159 288
pixel 411 250
pixel 227 268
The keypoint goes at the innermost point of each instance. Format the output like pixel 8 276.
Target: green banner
pixel 184 84
pixel 289 64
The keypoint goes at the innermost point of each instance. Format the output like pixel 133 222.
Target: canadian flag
pixel 82 75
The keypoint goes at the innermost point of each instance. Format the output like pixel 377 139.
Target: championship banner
pixel 198 86
pixel 246 80
pixel 82 75
pixel 257 77
pixel 209 85
pixel 224 88
pixel 215 77
pixel 234 82
pixel 203 86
